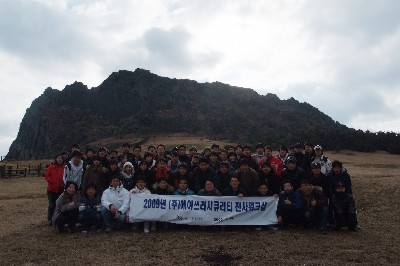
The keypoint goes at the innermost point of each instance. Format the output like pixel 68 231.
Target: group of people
pixel 92 189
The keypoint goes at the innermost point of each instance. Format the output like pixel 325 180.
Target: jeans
pixel 88 219
pixel 52 198
pixel 317 216
pixel 110 221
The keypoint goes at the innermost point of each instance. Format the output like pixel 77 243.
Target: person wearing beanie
pixel 67 208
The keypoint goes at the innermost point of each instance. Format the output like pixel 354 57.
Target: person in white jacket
pixel 326 164
pixel 140 188
pixel 115 204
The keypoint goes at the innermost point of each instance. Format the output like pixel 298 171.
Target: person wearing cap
pixel 74 170
pixel 248 177
pixel 215 148
pixel 90 209
pixel 283 154
pixel 194 163
pixel 115 204
pixel 206 152
pixel 67 207
pixel 202 173
pixel 273 161
pixel 192 151
pixel 315 206
pixel 127 176
pixel 317 178
pixel 293 172
pixel 319 157
pixel 94 175
pixel 344 210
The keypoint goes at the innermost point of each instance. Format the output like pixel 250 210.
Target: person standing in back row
pixel 55 185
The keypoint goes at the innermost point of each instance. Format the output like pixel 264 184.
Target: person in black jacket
pixel 293 172
pixel 268 176
pixel 344 209
pixel 234 188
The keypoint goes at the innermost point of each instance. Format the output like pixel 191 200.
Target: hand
pixel 113 209
pixel 288 202
pixel 71 205
pixel 275 196
pixel 240 195
pixel 117 215
pixel 104 169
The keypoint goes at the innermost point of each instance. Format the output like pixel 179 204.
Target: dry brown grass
pixel 26 239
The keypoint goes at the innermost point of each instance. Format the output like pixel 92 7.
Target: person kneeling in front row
pixel 115 204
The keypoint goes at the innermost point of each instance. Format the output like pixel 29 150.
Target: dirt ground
pixel 25 238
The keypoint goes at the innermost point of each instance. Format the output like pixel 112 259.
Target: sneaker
pixel 108 230
pixel 49 222
pixel 84 231
pixel 146 230
pixel 258 228
pixel 272 228
pixel 323 231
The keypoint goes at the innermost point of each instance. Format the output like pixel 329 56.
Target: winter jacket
pixel 213 192
pixel 326 164
pixel 119 197
pixel 62 204
pixel 54 177
pixel 248 180
pixel 309 193
pixel 322 181
pixel 200 177
pixel 183 193
pixel 74 173
pixel 344 178
pixel 128 181
pixel 229 192
pixel 90 205
pixel 294 197
pixel 94 176
pixel 295 176
pixel 272 180
pixel 275 163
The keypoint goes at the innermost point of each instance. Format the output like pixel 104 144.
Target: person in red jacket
pixel 55 184
pixel 275 162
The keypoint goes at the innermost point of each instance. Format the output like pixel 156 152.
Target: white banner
pixel 200 210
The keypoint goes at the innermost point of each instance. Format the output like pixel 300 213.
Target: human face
pixel 160 150
pixel 223 155
pixel 291 166
pixel 149 159
pixel 182 170
pixel 76 160
pixel 96 162
pixel 213 158
pixel 223 168
pixel 287 187
pixel 152 150
pixel 266 169
pixel 113 154
pixel 337 170
pixel 316 171
pixel 238 151
pixel 115 182
pixel 209 186
pixel 143 167
pixel 340 189
pixel 161 164
pixel 140 184
pixel 282 153
pixel 128 169
pixel 125 149
pixel 318 152
pixel 263 190
pixel 232 158
pixel 234 182
pixel 260 150
pixel 308 149
pixel 174 159
pixel 136 152
pixel 244 167
pixel 89 154
pixel 162 185
pixel 268 153
pixel 90 192
pixel 183 185
pixel 113 167
pixel 203 166
pixel 71 189
pixel 102 153
pixel 59 160
pixel 182 151
pixel 246 152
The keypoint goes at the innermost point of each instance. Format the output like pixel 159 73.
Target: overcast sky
pixel 340 56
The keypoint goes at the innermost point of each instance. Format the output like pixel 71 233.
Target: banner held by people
pixel 199 210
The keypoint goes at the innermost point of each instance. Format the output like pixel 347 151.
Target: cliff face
pixel 144 104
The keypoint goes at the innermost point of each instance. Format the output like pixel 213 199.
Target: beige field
pixel 25 238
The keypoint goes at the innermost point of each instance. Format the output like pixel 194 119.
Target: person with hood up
pixel 127 176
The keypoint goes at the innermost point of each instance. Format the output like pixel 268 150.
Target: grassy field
pixel 26 239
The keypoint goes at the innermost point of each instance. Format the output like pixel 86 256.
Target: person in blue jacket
pixel 90 209
pixel 289 211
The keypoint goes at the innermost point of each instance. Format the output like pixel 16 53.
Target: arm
pixel 125 205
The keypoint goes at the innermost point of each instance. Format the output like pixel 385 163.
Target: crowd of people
pixel 93 189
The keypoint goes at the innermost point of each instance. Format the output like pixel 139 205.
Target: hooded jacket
pixel 74 173
pixel 54 177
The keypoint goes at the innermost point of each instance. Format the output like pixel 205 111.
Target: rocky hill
pixel 143 104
